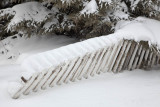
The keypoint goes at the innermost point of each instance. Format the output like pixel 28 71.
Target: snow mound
pixel 13 87
pixel 140 29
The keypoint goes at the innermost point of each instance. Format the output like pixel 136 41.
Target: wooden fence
pixel 121 55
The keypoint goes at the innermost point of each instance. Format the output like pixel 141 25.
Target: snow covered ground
pixel 128 89
pixel 136 88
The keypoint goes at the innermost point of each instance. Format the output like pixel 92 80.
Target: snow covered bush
pixel 148 8
pixel 29 18
pixel 5 16
pixel 35 17
pixel 92 18
pixel 79 18
pixel 10 3
pixel 98 17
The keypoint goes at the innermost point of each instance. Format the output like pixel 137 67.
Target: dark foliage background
pixel 71 17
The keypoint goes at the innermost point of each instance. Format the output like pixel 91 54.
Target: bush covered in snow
pixel 81 18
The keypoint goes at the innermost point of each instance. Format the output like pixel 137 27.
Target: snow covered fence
pixel 83 60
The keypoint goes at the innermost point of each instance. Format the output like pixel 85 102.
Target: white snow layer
pixel 140 29
pixel 128 89
pixel 13 87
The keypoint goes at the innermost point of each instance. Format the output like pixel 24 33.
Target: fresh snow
pixel 136 88
pixel 140 29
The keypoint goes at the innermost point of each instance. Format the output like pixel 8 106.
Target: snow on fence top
pixel 141 29
pixel 45 60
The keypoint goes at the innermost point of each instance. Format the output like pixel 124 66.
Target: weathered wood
pixel 110 57
pixel 21 90
pixel 141 58
pixel 82 70
pixel 70 67
pixel 46 75
pixel 93 72
pixel 79 68
pixel 121 52
pixel 124 57
pixel 129 55
pixel 89 70
pixel 106 57
pixel 94 63
pixel 74 67
pixel 103 59
pixel 137 57
pixel 51 77
pixel 85 69
pixel 35 82
pixel 132 58
pixel 153 61
pixel 114 55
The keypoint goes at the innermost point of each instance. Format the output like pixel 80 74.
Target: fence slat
pixel 51 77
pixel 124 57
pixel 97 62
pixel 75 66
pixel 70 67
pixel 88 70
pixel 153 60
pixel 59 75
pixel 21 90
pixel 79 70
pixel 137 57
pixel 132 58
pixel 122 51
pixel 109 57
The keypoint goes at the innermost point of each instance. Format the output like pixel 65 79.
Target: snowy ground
pixel 128 89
